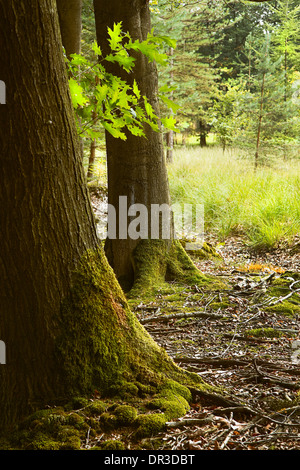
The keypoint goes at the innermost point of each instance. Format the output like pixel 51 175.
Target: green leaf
pixel 169 123
pixel 123 59
pixel 96 49
pixel 136 90
pixel 113 131
pixel 173 106
pixel 115 36
pixel 148 108
pixel 79 60
pixel 101 92
pixel 77 94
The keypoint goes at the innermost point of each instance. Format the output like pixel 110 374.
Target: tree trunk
pixel 64 319
pixel 170 134
pixel 170 146
pixel 259 122
pixel 92 158
pixel 136 167
pixel 69 12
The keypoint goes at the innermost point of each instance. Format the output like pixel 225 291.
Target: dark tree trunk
pixel 137 166
pixel 69 12
pixel 45 218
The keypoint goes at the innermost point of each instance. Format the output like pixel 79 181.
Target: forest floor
pixel 243 340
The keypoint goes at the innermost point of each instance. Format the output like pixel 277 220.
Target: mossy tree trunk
pixel 64 319
pixel 136 167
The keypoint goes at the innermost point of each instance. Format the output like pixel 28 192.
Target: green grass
pixel 264 206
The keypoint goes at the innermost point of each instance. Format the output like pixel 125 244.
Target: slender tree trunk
pixel 170 146
pixel 260 121
pixel 70 23
pixel 136 167
pixel 170 134
pixel 92 159
pixel 64 319
pixel 69 12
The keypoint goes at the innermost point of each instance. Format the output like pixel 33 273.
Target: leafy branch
pixel 104 100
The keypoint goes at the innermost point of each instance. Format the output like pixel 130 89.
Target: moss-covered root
pixel 157 261
pixel 102 345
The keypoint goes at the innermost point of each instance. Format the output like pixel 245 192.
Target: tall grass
pixel 264 206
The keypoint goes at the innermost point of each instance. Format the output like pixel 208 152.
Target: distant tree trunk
pixel 170 134
pixel 170 146
pixel 260 121
pixel 69 12
pixel 92 159
pixel 136 167
pixel 202 133
pixel 203 139
pixel 64 319
pixel 70 23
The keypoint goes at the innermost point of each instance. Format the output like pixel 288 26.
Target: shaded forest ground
pixel 241 339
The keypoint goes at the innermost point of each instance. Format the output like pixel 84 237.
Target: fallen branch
pixel 237 362
pixel 176 316
pixel 190 422
pixel 215 361
pixel 282 382
pixel 281 299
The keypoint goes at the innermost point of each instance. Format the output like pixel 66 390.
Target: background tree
pixel 70 21
pixel 137 167
pixel 192 74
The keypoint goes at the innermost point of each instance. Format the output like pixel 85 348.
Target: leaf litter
pixel 237 343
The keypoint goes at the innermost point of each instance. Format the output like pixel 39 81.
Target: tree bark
pixel 64 319
pixel 69 12
pixel 45 219
pixel 136 167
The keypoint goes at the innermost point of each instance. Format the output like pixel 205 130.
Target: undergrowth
pixel 263 206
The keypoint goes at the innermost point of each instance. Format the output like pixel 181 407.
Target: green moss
pixel 172 407
pixel 124 390
pixel 96 408
pixel 53 429
pixel 206 251
pixel 43 442
pixel 157 261
pixel 279 289
pixel 102 345
pixel 79 402
pixel 125 414
pixel 176 388
pixel 112 445
pixel 108 421
pixel 285 308
pixel 149 425
pixel 279 404
pixel 264 333
pixel 69 439
pixel 219 305
pixel 173 399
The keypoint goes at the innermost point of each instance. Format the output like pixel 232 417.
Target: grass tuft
pixel 263 206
